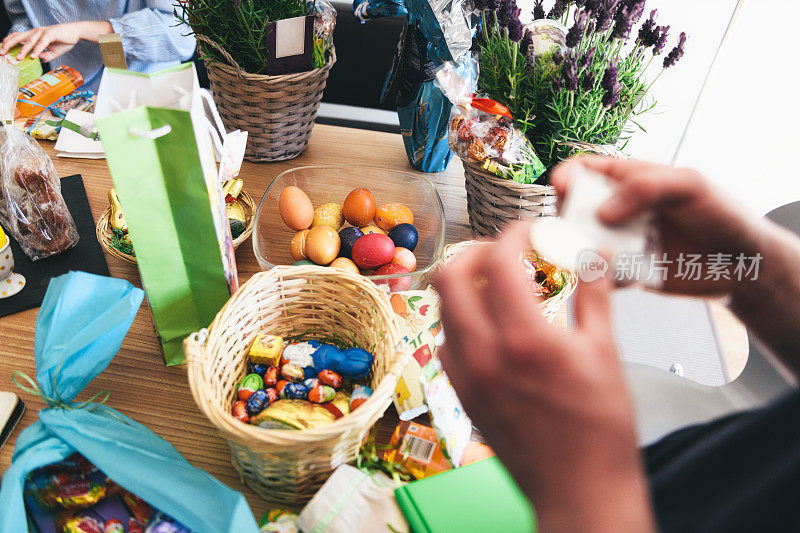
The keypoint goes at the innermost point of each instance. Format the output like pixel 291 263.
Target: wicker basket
pixel 104 232
pixel 494 202
pixel 549 307
pixel 278 112
pixel 287 467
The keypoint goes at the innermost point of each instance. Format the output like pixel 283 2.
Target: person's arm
pixel 152 34
pixel 552 403
pixel 693 216
pixel 17 16
pixel 50 42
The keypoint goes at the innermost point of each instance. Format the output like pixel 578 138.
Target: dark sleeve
pixel 738 473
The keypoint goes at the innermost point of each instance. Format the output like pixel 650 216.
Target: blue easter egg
pixel 348 237
pixel 404 236
pixel 295 391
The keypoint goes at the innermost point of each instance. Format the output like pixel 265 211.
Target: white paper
pixel 73 144
pixel 290 36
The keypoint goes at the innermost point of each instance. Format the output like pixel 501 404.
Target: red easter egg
pixel 395 284
pixel 373 250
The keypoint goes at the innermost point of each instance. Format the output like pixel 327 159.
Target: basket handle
pixel 225 54
pixel 193 345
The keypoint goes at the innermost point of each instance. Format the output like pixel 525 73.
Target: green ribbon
pixel 93 403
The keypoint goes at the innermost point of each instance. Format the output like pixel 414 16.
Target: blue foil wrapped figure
pixel 436 31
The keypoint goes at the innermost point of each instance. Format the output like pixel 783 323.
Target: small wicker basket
pixel 278 112
pixel 494 202
pixel 549 306
pixel 104 235
pixel 287 467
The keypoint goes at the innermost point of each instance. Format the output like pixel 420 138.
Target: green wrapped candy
pixel 249 384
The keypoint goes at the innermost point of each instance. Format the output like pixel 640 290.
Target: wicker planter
pixel 278 112
pixel 287 467
pixel 494 202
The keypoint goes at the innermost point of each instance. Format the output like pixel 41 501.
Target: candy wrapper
pixel 483 133
pixel 416 447
pixel 31 206
pixel 437 31
pixel 324 24
pixel 47 124
pixel 80 327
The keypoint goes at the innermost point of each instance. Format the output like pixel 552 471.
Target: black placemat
pixel 87 255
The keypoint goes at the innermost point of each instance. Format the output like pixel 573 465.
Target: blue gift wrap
pixel 81 324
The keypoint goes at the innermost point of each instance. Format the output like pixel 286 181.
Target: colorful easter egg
pixel 373 250
pixel 390 215
pixel 359 207
pixel 295 208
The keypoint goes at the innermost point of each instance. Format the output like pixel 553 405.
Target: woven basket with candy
pixel 553 284
pixel 483 133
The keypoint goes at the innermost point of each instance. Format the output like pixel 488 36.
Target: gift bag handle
pixel 153 134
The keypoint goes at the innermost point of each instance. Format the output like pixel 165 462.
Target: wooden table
pixel 158 396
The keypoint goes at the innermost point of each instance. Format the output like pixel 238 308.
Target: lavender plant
pixel 589 88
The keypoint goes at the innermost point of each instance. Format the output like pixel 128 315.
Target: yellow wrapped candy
pixel 266 350
pixel 301 414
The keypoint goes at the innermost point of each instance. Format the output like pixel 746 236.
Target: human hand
pixel 552 403
pixel 692 218
pixel 50 42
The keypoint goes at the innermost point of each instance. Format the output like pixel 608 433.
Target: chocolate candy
pixel 311 383
pixel 140 509
pixel 253 368
pixel 114 526
pixel 359 395
pixel 292 372
pixel 330 378
pixel 272 395
pixel 77 493
pixel 134 526
pixel 476 151
pixel 266 349
pixel 271 376
pixel 279 386
pixel 257 402
pixel 83 524
pixel 239 411
pixel 299 353
pixel 249 384
pixel 321 394
pixel 295 391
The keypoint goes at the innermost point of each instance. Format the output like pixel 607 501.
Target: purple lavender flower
pixel 479 4
pixel 558 57
pixel 588 81
pixel 623 22
pixel 505 12
pixel 647 33
pixel 588 58
pixel 575 33
pixel 515 29
pixel 538 10
pixel 530 60
pixel 660 39
pixel 590 28
pixel 569 72
pixel 558 9
pixel 604 14
pixel 611 85
pixel 676 53
pixel 526 43
pixel 492 5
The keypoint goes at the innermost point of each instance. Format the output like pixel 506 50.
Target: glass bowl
pixel 332 183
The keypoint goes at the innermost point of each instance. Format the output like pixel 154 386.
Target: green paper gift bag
pixel 163 168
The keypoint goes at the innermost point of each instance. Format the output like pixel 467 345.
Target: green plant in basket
pixel 577 74
pixel 241 28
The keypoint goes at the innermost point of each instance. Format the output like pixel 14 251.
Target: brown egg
pixel 345 264
pixel 390 215
pixel 295 208
pixel 298 246
pixel 322 244
pixel 328 215
pixel 359 207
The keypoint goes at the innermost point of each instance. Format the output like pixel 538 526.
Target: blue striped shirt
pixel 151 38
